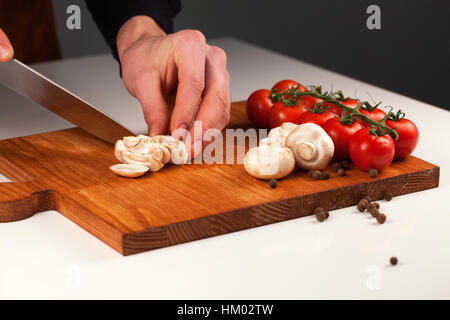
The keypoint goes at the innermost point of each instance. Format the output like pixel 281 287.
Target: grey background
pixel 409 55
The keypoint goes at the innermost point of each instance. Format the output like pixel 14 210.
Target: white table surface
pixel 48 256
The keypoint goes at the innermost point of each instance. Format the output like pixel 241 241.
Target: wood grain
pixel 68 171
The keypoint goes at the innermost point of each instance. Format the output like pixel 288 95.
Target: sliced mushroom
pixel 312 146
pixel 269 162
pixel 143 160
pixel 280 133
pixel 178 152
pixel 129 170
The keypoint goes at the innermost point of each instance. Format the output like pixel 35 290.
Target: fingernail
pixel 4 52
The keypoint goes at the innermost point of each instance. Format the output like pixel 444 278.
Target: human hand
pixel 154 64
pixel 6 49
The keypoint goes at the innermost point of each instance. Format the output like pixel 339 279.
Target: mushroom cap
pixel 311 145
pixel 269 162
pixel 129 170
pixel 280 133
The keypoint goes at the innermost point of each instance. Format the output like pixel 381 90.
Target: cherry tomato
pixel 282 113
pixel 340 133
pixel 285 85
pixel 310 102
pixel 333 108
pixel 368 151
pixel 375 114
pixel 258 107
pixel 317 118
pixel 351 103
pixel 408 137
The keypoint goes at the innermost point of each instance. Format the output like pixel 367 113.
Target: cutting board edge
pixel 271 212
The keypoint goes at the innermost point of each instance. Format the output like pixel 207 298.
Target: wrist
pixel 134 29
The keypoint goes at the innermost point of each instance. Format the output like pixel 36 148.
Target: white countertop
pixel 48 256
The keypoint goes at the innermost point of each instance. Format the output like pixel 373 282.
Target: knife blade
pixel 31 84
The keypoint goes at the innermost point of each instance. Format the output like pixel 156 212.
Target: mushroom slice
pixel 143 160
pixel 178 152
pixel 129 170
pixel 312 146
pixel 269 162
pixel 131 141
pixel 280 133
pixel 119 149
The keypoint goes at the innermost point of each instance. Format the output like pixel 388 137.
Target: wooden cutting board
pixel 67 171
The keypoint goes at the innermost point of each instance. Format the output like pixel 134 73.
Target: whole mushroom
pixel 280 133
pixel 311 145
pixel 269 162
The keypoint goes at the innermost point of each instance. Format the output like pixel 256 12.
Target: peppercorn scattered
pixel 273 183
pixel 368 198
pixel 381 218
pixel 393 260
pixel 388 196
pixel 335 167
pixel 373 173
pixel 345 164
pixel 374 212
pixel 341 172
pixel 325 175
pixel 351 166
pixel 373 205
pixel 362 205
pixel 320 214
pixel 316 174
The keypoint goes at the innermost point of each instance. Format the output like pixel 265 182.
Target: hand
pixel 6 49
pixel 154 64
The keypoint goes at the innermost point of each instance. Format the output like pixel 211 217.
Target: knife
pixel 31 84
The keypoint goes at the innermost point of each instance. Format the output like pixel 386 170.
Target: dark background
pixel 409 55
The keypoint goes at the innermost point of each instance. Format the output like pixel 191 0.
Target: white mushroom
pixel 146 160
pixel 312 146
pixel 176 147
pixel 280 133
pixel 269 162
pixel 129 170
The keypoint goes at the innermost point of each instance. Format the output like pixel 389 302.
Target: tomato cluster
pixel 360 132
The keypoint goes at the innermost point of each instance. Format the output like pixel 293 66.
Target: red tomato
pixel 310 102
pixel 340 134
pixel 258 107
pixel 375 114
pixel 285 85
pixel 368 151
pixel 333 108
pixel 408 137
pixel 282 113
pixel 351 103
pixel 317 118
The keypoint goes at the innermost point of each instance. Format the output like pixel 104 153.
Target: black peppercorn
pixel 393 260
pixel 388 196
pixel 273 183
pixel 373 173
pixel 341 172
pixel 381 218
pixel 374 212
pixel 320 214
pixel 335 167
pixel 325 175
pixel 316 174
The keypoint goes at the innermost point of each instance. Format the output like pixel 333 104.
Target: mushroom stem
pixel 306 150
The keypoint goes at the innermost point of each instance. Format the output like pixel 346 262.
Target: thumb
pixel 6 49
